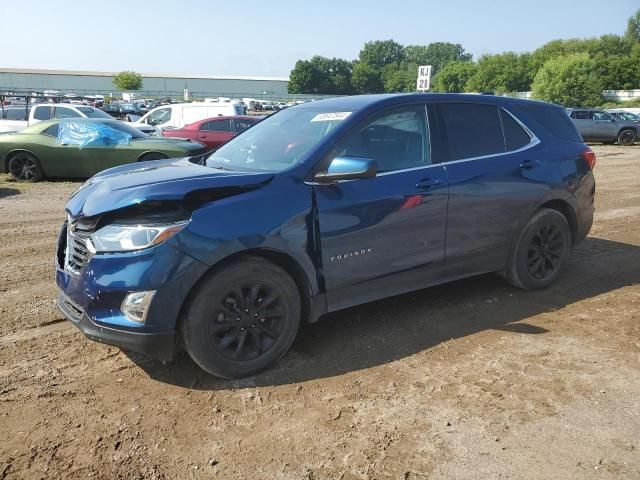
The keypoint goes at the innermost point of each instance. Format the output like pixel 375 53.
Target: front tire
pixel 242 318
pixel 541 251
pixel 25 167
pixel 627 137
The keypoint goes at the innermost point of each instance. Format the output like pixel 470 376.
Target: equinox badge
pixel 347 255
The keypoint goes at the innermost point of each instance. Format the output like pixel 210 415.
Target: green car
pixel 38 151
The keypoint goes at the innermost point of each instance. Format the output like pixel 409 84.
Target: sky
pixel 265 38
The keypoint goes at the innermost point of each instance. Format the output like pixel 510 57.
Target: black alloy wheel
pixel 247 322
pixel 627 137
pixel 540 252
pixel 241 318
pixel 546 251
pixel 24 167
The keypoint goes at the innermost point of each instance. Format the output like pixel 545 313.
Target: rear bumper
pixel 157 345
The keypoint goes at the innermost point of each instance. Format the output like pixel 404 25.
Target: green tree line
pixel 571 72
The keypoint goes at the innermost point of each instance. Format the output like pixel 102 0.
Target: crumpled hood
pixel 137 183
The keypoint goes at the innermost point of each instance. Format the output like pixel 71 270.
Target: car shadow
pixel 8 192
pixel 387 330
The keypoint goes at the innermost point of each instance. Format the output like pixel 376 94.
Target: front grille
pixel 77 252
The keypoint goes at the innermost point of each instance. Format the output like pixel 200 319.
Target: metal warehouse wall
pixel 101 83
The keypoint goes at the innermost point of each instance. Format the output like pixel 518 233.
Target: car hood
pixel 138 183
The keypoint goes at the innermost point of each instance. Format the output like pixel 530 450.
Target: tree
pixel 503 73
pixel 453 77
pixel 366 78
pixel 633 28
pixel 375 59
pixel 437 54
pixel 381 52
pixel 617 72
pixel 570 81
pixel 331 76
pixel 398 79
pixel 128 80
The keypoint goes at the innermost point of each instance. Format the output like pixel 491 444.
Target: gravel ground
pixel 473 379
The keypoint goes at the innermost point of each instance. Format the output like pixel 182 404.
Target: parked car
pixel 213 132
pixel 600 126
pixel 35 153
pixel 13 118
pixel 317 208
pixel 47 111
pixel 181 114
pixel 112 109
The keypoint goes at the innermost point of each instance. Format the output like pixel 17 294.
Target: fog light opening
pixel 136 305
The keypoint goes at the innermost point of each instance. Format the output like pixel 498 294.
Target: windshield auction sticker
pixel 330 116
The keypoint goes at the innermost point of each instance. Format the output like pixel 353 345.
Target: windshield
pixel 278 142
pixel 93 112
pixel 123 127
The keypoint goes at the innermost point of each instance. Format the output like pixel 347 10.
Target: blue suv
pixel 317 208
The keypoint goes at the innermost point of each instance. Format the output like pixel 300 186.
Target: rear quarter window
pixel 515 137
pixel 554 120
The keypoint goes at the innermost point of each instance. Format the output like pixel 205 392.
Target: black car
pixel 112 109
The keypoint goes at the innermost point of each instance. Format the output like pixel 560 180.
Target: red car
pixel 213 132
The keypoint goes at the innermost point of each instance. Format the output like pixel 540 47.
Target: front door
pixel 379 233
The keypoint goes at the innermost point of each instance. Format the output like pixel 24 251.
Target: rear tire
pixel 540 254
pixel 627 137
pixel 152 156
pixel 242 318
pixel 25 167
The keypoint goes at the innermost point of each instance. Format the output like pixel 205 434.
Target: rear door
pixel 582 120
pixel 494 171
pixel 380 234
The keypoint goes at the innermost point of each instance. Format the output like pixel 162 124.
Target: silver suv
pixel 600 126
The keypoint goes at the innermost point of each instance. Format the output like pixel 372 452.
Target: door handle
pixel 529 164
pixel 427 183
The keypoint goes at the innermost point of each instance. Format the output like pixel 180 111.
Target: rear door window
pixel 473 130
pixel 515 137
pixel 580 114
pixel 42 113
pixel 217 126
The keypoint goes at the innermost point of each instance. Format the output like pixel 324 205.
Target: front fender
pixel 277 217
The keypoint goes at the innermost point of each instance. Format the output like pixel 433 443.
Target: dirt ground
pixel 470 380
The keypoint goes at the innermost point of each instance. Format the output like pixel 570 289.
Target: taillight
pixel 589 157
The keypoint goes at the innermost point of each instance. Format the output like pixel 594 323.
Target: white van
pixel 180 114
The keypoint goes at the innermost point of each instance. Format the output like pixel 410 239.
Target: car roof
pixel 360 102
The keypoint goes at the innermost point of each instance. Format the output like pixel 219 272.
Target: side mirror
pixel 348 168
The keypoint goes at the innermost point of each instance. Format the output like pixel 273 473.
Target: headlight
pixel 125 238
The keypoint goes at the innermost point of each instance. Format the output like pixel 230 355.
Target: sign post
pixel 424 78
